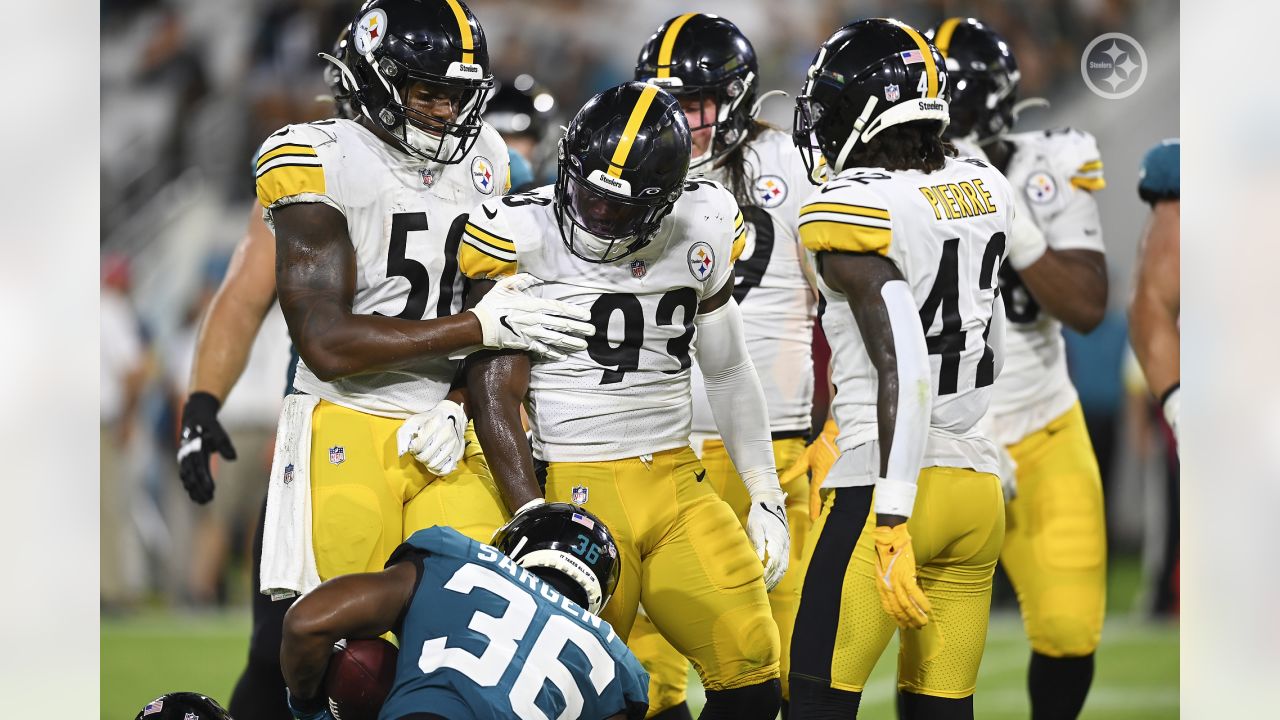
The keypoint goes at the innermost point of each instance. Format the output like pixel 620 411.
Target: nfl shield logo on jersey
pixel 482 175
pixel 579 495
pixel 427 178
pixel 288 473
pixel 190 716
pixel 337 455
pixel 701 261
pixel 638 269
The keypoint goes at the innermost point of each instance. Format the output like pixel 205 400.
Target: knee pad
pixel 753 702
pixel 816 700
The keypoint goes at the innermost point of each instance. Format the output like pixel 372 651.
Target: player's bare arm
pixel 316 276
pixel 1153 314
pixel 862 278
pixel 496 385
pixel 236 312
pixel 363 605
pixel 1070 285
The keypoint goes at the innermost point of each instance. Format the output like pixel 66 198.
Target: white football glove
pixel 767 524
pixel 511 319
pixel 1026 243
pixel 435 437
pixel 1008 475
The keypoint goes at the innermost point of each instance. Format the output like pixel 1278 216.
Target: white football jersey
pixel 772 287
pixel 945 231
pixel 1054 174
pixel 628 393
pixel 399 210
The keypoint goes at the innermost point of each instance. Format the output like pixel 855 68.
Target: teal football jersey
pixel 483 638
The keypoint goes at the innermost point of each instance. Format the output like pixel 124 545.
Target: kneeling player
pixel 650 256
pixel 481 632
pixel 908 243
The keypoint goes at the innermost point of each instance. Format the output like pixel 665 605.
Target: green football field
pixel 146 655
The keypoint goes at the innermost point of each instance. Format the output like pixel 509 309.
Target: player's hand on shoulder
pixel 512 319
pixel 435 438
pixel 202 435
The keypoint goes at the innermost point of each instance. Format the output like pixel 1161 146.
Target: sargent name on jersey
pixel 967 198
pixel 493 556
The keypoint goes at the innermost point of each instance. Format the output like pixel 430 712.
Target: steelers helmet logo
pixel 771 191
pixel 482 174
pixel 1041 189
pixel 370 31
pixel 702 260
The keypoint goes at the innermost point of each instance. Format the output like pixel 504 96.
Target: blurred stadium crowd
pixel 190 89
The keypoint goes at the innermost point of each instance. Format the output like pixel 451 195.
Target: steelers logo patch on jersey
pixel 1041 188
pixel 702 260
pixel 370 31
pixel 771 191
pixel 482 174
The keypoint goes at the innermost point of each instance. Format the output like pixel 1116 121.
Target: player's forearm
pixel 336 343
pixel 1071 286
pixel 496 393
pixel 1154 334
pixel 733 390
pixel 223 346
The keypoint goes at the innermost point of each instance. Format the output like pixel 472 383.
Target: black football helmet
pixel 569 540
pixel 622 166
pixel 984 78
pixel 396 43
pixel 869 75
pixel 183 706
pixel 707 57
pixel 520 107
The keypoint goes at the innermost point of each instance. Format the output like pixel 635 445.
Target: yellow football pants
pixel 685 557
pixel 668 670
pixel 841 630
pixel 366 499
pixel 1055 546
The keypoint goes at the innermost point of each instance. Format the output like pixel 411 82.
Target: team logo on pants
pixel 337 455
pixel 579 495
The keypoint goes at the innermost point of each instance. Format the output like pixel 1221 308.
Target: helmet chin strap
pixel 755 109
pixel 838 166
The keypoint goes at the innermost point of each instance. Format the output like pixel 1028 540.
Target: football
pixel 359 677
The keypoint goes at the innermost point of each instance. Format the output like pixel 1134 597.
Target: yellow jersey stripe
pixel 286 149
pixel 942 40
pixel 490 238
pixel 1091 166
pixel 621 152
pixel 930 67
pixel 739 244
pixel 464 27
pixel 844 209
pixel 669 43
pixel 284 181
pixel 479 265
pixel 1092 184
pixel 824 236
pixel 738 221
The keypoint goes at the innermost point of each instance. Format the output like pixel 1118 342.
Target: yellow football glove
pixel 900 595
pixel 817 460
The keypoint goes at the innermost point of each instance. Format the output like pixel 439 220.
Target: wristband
pixel 895 497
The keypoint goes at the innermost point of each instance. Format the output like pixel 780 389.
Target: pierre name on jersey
pixel 628 393
pixel 945 231
pixel 398 210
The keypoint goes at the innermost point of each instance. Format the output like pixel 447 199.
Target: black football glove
pixel 202 435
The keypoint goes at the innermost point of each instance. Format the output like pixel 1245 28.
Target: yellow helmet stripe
pixel 669 43
pixel 930 67
pixel 942 40
pixel 464 27
pixel 621 152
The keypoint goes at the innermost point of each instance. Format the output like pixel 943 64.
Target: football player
pixel 1154 311
pixel 1055 541
pixel 907 242
pixel 483 628
pixel 367 278
pixel 650 254
pixel 522 111
pixel 710 67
